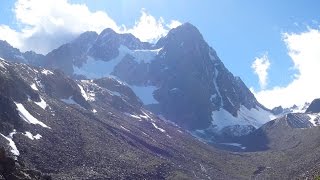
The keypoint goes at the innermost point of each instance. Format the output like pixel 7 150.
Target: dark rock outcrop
pixel 11 169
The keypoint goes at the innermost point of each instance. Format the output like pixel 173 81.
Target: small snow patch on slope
pixel 160 129
pixel 145 93
pixel 87 92
pixel 13 146
pixel 125 128
pixel 134 116
pixel 46 72
pixel 216 72
pixel 84 94
pixel 26 116
pixel 314 119
pixel 32 137
pixel 41 104
pixel 34 87
pixel 2 64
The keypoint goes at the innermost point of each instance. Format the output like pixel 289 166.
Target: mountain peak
pixel 314 107
pixel 86 35
pixel 107 31
pixel 187 29
pixel 188 25
pixel 185 33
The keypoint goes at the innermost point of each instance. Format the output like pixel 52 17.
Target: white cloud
pixel 173 24
pixel 148 28
pixel 303 48
pixel 46 24
pixel 260 67
pixel 10 35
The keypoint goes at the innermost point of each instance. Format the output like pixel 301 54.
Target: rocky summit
pixel 179 78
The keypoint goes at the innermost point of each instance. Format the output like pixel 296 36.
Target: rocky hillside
pixel 286 143
pixel 59 128
pixel 93 129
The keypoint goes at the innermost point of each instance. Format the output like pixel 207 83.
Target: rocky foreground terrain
pixel 98 129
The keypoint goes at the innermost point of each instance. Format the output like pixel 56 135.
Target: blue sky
pixel 240 31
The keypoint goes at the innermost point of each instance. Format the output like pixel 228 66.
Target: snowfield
pixel 12 144
pixel 255 117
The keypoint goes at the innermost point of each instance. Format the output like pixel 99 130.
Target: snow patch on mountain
pixel 87 93
pixel 32 137
pixel 41 104
pixel 46 72
pixel 314 119
pixel 2 64
pixel 255 117
pixel 12 144
pixel 280 111
pixel 216 72
pixel 133 115
pixel 157 127
pixel 34 87
pixel 125 128
pixel 83 93
pixel 26 116
pixel 144 55
pixel 145 93
pixel 97 68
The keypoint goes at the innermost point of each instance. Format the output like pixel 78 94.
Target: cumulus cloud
pixel 303 48
pixel 148 28
pixel 174 24
pixel 46 24
pixel 10 35
pixel 260 67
